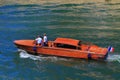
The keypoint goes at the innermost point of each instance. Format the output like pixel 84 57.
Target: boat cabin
pixel 66 43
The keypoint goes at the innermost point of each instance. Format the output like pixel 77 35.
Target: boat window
pixel 65 46
pixel 79 43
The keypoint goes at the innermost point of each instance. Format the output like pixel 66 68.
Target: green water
pixel 96 22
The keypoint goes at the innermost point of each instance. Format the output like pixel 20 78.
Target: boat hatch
pixel 68 41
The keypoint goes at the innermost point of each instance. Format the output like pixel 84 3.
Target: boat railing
pixel 50 43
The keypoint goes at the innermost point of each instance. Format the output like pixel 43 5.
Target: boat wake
pixel 24 54
pixel 112 58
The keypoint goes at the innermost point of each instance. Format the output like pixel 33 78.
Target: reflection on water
pixel 4 2
pixel 96 21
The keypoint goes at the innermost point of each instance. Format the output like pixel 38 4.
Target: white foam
pixel 24 54
pixel 114 58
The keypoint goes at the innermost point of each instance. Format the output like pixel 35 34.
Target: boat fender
pixel 89 56
pixel 88 48
pixel 35 49
pixel 106 56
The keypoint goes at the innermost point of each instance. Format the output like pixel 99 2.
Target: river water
pixel 91 21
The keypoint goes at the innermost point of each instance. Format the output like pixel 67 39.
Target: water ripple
pixel 114 58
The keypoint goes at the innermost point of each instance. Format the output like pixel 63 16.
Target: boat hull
pixel 55 51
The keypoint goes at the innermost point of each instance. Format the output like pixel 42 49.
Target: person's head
pixel 38 36
pixel 44 34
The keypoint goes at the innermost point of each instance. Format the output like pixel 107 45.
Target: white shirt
pixel 45 38
pixel 39 40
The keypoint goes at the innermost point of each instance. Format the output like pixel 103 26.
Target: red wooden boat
pixel 65 47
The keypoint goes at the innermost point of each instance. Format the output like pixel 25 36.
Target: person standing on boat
pixel 38 40
pixel 45 39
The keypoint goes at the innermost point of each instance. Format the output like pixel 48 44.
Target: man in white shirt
pixel 45 39
pixel 38 40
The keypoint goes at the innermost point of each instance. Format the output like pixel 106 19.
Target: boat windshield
pixel 65 46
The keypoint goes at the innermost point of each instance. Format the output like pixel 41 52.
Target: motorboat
pixel 65 47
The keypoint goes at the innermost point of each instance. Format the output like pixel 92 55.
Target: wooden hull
pixel 28 46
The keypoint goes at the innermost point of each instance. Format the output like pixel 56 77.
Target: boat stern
pixel 110 49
